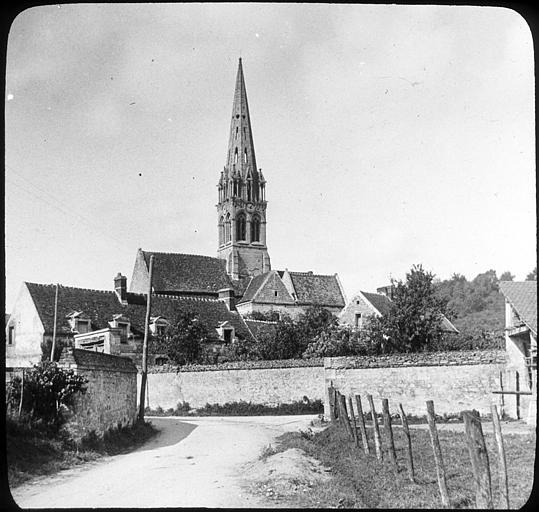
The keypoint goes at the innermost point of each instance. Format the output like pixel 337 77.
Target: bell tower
pixel 241 207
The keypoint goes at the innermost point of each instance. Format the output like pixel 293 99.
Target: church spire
pixel 241 151
pixel 241 206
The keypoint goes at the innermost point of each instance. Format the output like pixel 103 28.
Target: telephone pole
pixel 54 327
pixel 144 373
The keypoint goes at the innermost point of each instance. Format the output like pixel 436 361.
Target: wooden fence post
pixel 377 439
pixel 331 400
pixel 438 460
pixel 344 413
pixel 502 465
pixel 389 432
pixel 362 428
pixel 502 398
pixel 353 420
pixel 479 457
pixel 406 430
pixel 517 389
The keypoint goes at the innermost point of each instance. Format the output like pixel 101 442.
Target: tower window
pixel 236 132
pixel 227 228
pixel 221 231
pixel 255 229
pixel 236 156
pixel 245 155
pixel 241 227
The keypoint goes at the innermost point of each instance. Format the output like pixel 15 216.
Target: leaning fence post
pixel 353 420
pixel 362 428
pixel 479 457
pixel 344 413
pixel 502 465
pixel 406 431
pixel 389 432
pixel 377 439
pixel 438 460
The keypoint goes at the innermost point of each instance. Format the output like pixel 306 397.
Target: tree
pixel 507 276
pixel 532 276
pixel 182 340
pixel 414 318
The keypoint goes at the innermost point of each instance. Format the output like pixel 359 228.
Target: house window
pixel 123 331
pixel 83 326
pixel 275 293
pixel 11 335
pixel 227 335
pixel 358 320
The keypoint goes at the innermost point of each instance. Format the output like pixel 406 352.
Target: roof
pixel 522 295
pixel 380 302
pixel 177 272
pixel 317 289
pixel 100 307
pixel 254 285
pixel 267 288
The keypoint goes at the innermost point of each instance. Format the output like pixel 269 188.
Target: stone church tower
pixel 242 197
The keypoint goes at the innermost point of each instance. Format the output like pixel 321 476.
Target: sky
pixel 388 135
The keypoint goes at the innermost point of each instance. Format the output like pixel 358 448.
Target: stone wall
pixel 453 380
pixel 111 397
pixel 269 385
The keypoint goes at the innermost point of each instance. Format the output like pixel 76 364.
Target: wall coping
pixel 238 365
pixel 448 358
pixel 88 360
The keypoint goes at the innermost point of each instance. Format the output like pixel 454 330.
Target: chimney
pixel 226 295
pixel 120 287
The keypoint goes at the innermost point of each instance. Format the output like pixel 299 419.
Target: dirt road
pixel 193 462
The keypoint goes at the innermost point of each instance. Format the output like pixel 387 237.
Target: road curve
pixel 192 462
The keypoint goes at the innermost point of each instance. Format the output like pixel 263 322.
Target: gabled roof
pixel 322 290
pixel 522 295
pixel 380 302
pixel 267 288
pixel 177 272
pixel 100 306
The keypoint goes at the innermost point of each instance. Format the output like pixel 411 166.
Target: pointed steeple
pixel 241 149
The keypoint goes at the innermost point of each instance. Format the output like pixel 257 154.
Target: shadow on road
pixel 170 431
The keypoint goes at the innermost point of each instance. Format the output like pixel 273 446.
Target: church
pixel 242 271
pixel 224 291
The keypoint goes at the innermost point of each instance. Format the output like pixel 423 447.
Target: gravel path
pixel 192 462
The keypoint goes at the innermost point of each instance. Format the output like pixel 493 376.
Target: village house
pixel 365 304
pixel 521 337
pixel 107 321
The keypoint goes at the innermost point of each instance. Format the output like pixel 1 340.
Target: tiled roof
pixel 523 297
pixel 254 285
pixel 100 306
pixel 176 272
pixel 317 289
pixel 379 301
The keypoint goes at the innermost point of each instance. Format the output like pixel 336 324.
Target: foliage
pixel 346 341
pixel 182 340
pixel 532 276
pixel 47 391
pixel 270 316
pixel 59 345
pixel 414 318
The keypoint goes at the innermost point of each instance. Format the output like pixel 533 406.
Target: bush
pixel 47 391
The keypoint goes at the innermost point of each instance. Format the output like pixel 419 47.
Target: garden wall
pixel 455 381
pixel 111 397
pixel 260 382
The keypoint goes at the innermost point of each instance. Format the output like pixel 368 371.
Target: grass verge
pixel 360 481
pixel 242 408
pixel 32 452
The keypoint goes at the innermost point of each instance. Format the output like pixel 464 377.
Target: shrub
pixel 47 390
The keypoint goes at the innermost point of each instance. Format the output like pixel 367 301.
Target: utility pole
pixel 54 327
pixel 144 373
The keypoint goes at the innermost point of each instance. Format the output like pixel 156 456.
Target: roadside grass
pixel 360 481
pixel 32 452
pixel 242 408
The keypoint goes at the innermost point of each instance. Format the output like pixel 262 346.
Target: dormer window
pixel 79 322
pixel 122 323
pixel 226 332
pixel 158 325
